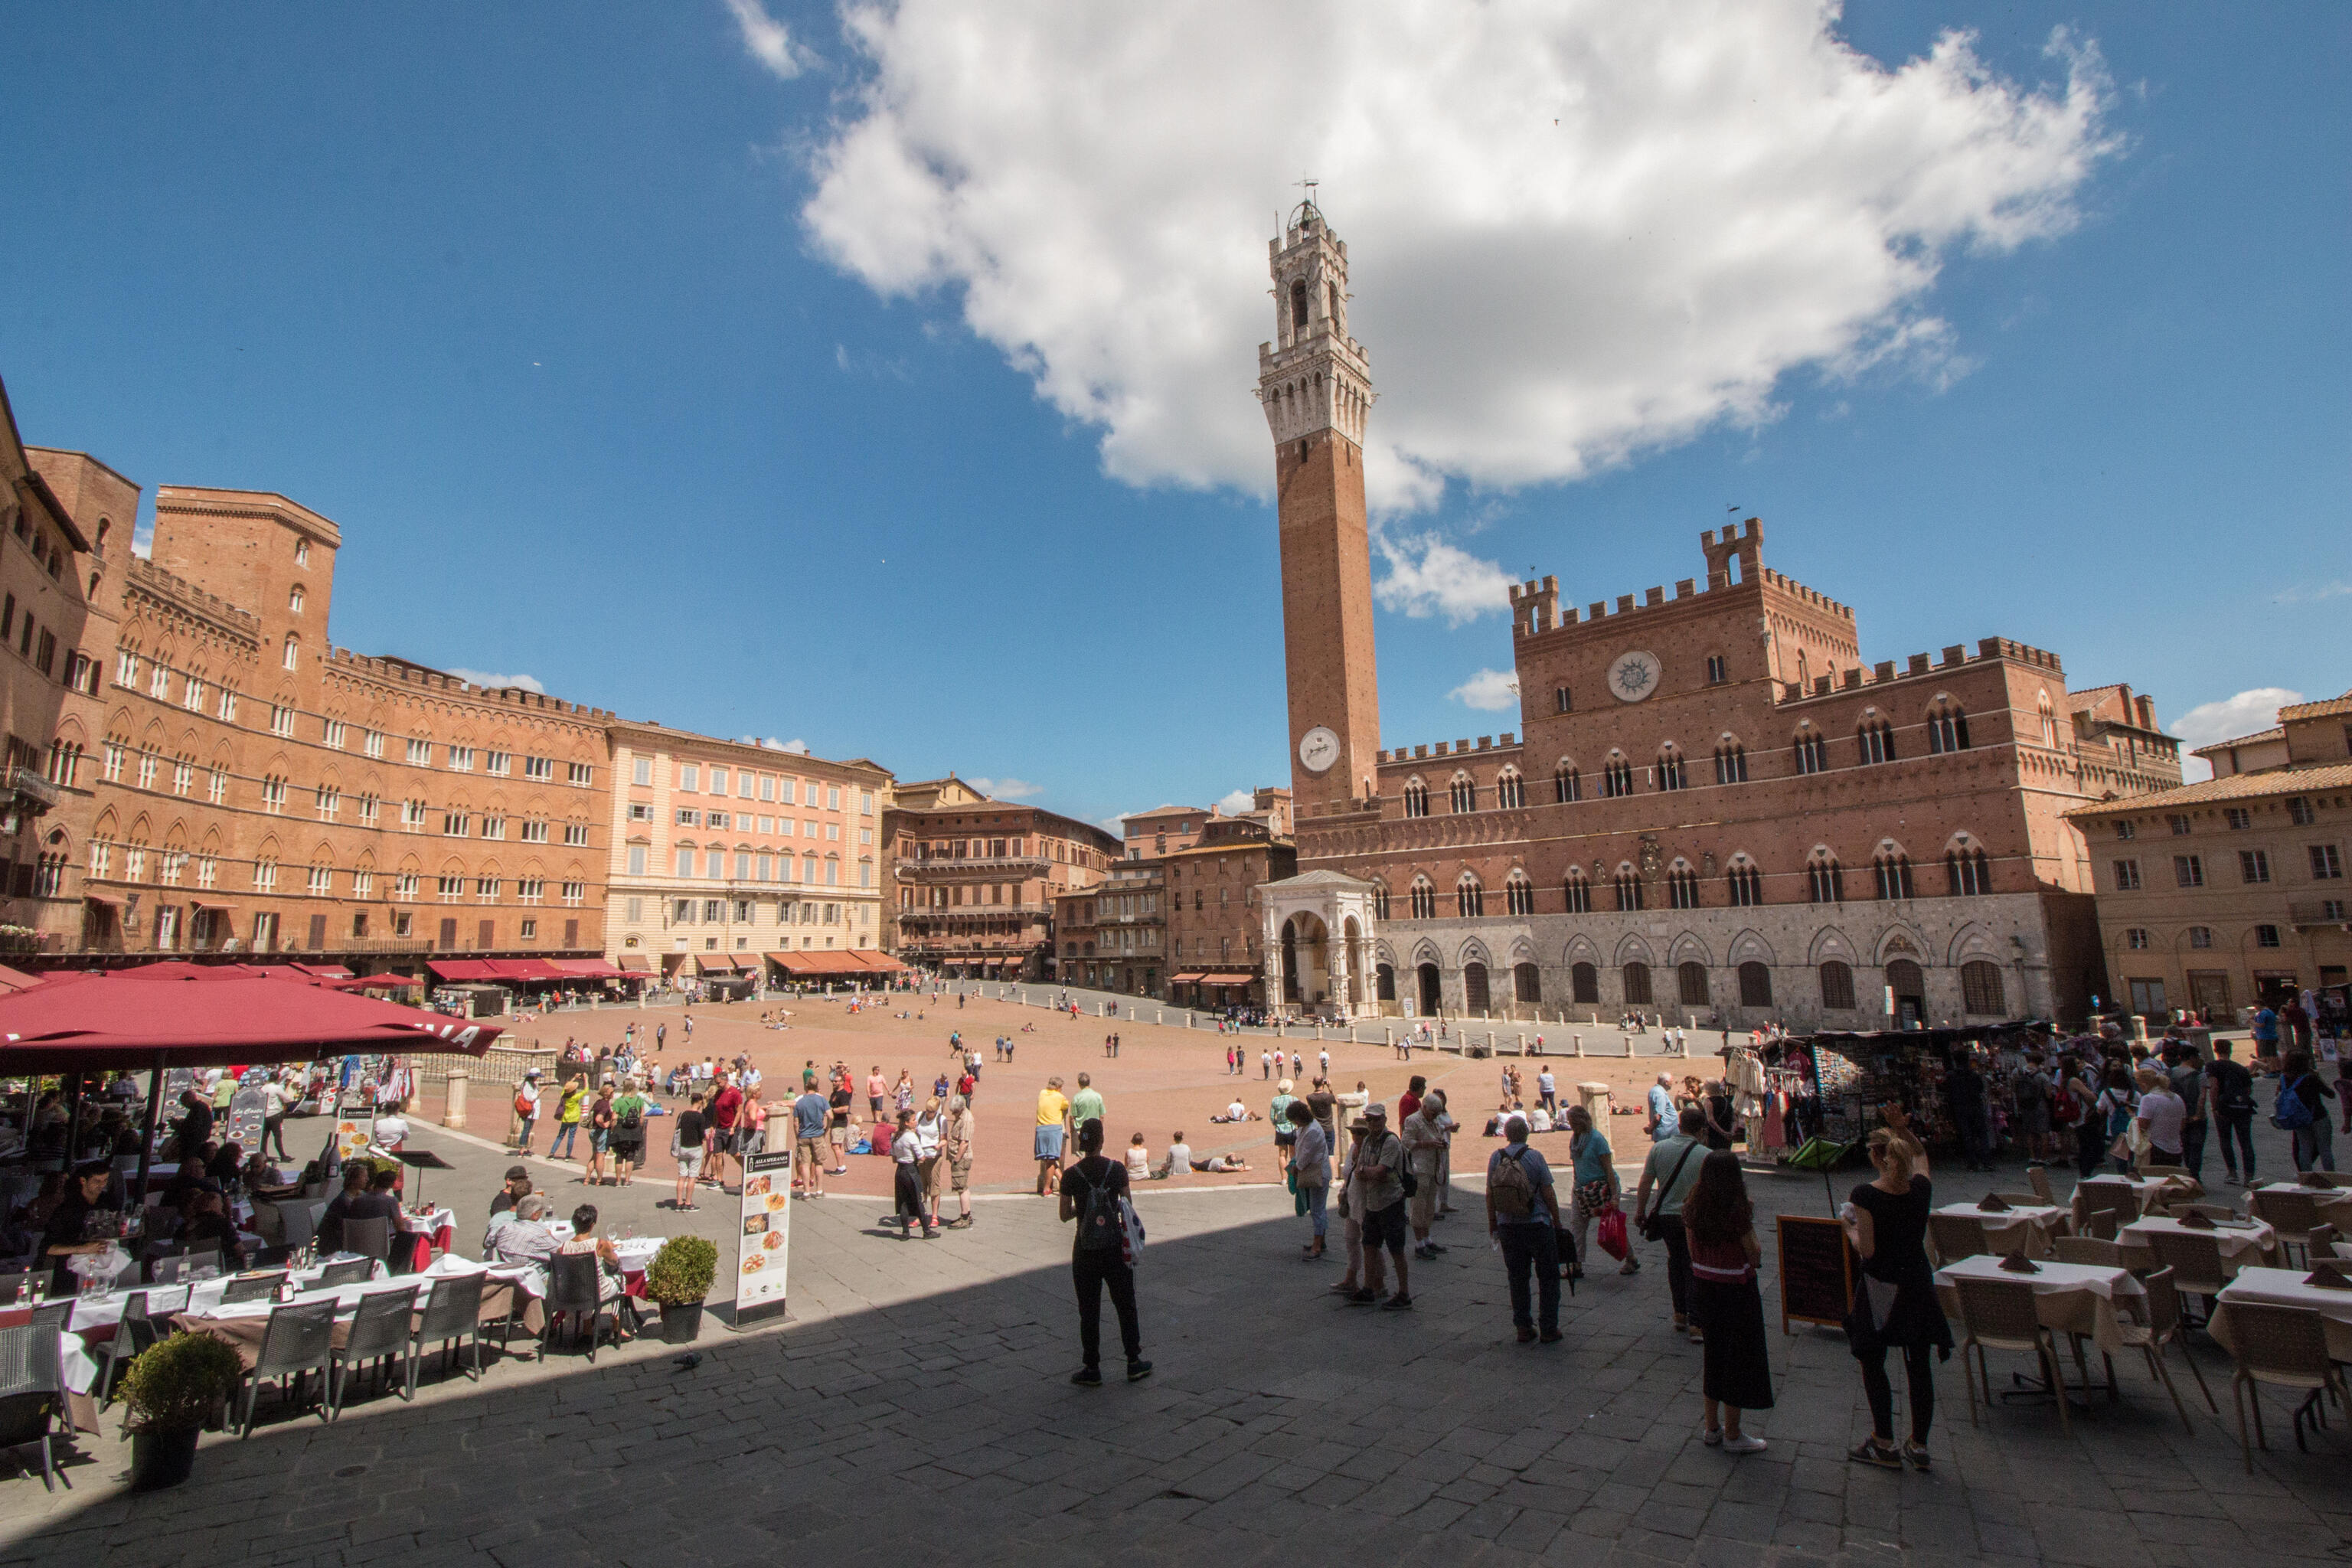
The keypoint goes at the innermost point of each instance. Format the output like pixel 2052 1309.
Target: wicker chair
pixel 2103 1224
pixel 2195 1262
pixel 2088 1249
pixel 1956 1236
pixel 2000 1314
pixel 2294 1216
pixel 2023 1200
pixel 2286 1347
pixel 2161 1329
pixel 258 1287
pixel 2037 1176
pixel 2112 1195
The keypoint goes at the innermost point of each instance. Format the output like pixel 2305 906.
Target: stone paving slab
pixel 916 1405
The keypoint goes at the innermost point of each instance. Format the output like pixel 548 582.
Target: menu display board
pixel 763 1238
pixel 1817 1271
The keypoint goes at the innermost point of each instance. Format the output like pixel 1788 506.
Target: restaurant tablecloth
pixel 2242 1244
pixel 2069 1298
pixel 2284 1288
pixel 2335 1207
pixel 2041 1223
pixel 2151 1191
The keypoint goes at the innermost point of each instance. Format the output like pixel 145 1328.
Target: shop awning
pixel 211 1017
pixel 827 962
pixel 374 983
pixel 1227 979
pixel 533 969
pixel 462 969
pixel 587 968
pixel 881 962
pixel 1193 978
pixel 635 963
pixel 714 963
pixel 324 971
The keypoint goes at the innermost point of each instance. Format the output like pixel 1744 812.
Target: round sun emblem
pixel 1634 676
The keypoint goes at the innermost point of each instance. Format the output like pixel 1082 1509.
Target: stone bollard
pixel 1523 1045
pixel 1595 1100
pixel 452 1108
pixel 1576 1045
pixel 1629 1044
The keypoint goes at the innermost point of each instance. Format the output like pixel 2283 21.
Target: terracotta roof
pixel 2272 735
pixel 2322 709
pixel 2238 786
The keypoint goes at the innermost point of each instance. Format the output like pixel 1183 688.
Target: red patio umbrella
pixel 165 1016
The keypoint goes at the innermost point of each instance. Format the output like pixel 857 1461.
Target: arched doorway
pixel 1584 982
pixel 1691 981
pixel 1473 987
pixel 1384 979
pixel 1527 983
pixel 1910 988
pixel 1306 960
pixel 1352 958
pixel 1637 985
pixel 1432 996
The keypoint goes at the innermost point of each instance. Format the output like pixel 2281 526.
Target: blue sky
pixel 533 303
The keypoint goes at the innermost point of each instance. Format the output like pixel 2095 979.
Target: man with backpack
pixel 2232 1109
pixel 1523 1216
pixel 1378 1183
pixel 1094 1194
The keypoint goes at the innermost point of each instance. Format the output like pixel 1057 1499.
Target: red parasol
pixel 209 1015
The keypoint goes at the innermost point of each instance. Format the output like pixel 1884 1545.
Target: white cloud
pixel 495 682
pixel 1236 803
pixel 1579 229
pixel 2314 593
pixel 1427 577
pixel 2247 713
pixel 1006 789
pixel 1114 826
pixel 1492 690
pixel 795 744
pixel 766 38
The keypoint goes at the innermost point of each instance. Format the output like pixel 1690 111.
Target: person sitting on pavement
pixel 1178 1158
pixel 526 1237
pixel 1236 1111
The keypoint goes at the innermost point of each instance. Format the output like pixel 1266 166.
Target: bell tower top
pixel 1313 376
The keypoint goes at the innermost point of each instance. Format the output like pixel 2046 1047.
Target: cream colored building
pixel 725 853
pixel 2219 895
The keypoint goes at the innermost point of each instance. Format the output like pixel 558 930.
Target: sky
pixel 881 379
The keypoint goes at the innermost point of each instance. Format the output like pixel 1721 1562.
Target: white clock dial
pixel 1319 749
pixel 1634 676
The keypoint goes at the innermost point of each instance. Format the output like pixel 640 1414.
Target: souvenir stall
pixel 1857 1075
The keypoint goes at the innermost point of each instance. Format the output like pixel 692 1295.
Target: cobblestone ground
pixel 916 1407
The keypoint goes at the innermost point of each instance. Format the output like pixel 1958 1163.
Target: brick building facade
pixel 1714 805
pixel 2220 895
pixel 1212 910
pixel 975 881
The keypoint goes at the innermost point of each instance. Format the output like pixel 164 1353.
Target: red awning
pixel 881 962
pixel 526 969
pixel 635 963
pixel 464 969
pixel 10 980
pixel 588 969
pixel 1215 979
pixel 323 971
pixel 374 983
pixel 1192 979
pixel 210 1019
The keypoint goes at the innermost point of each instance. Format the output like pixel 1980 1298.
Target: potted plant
pixel 171 1390
pixel 679 1277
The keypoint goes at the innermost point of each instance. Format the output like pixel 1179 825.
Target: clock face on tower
pixel 1634 676
pixel 1319 749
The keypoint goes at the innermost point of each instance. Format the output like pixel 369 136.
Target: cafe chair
pixel 378 1332
pixel 54 1314
pixel 2110 1197
pixel 2195 1262
pixel 12 1284
pixel 2104 1224
pixel 368 1237
pixel 1955 1237
pixel 2037 1176
pixel 2286 1347
pixel 32 1394
pixel 2160 1330
pixel 346 1271
pixel 572 1279
pixel 2087 1250
pixel 134 1333
pixel 2294 1216
pixel 300 1222
pixel 300 1340
pixel 258 1287
pixel 452 1315
pixel 2000 1314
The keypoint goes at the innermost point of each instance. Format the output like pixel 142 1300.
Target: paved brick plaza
pixel 916 1404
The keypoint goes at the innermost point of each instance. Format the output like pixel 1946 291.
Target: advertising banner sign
pixel 763 1240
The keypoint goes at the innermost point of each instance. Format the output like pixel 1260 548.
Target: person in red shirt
pixel 726 1111
pixel 1410 1100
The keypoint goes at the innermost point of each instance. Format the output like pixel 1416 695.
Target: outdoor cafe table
pixel 2148 1191
pixel 2284 1288
pixel 426 1232
pixel 2068 1298
pixel 2242 1242
pixel 2335 1207
pixel 2041 1223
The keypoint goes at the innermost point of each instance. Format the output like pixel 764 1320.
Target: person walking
pixel 2188 1083
pixel 1086 1103
pixel 1310 1171
pixel 931 1160
pixel 1094 1193
pixel 1376 1173
pixel 1594 1169
pixel 1736 1375
pixel 571 1105
pixel 628 1132
pixel 2303 1110
pixel 2232 1088
pixel 2079 1091
pixel 1673 1169
pixel 906 1178
pixel 600 1134
pixel 526 1110
pixel 812 1118
pixel 686 1144
pixel 1523 1216
pixel 960 1130
pixel 2162 1118
pixel 1548 1093
pixel 2114 1110
pixel 274 1102
pixel 1895 1308
pixel 1053 1120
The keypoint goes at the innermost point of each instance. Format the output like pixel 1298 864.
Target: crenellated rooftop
pixel 408 672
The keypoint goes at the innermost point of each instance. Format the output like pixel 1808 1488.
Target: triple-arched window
pixel 1948 727
pixel 1682 886
pixel 1469 896
pixel 1745 882
pixel 1578 892
pixel 1519 894
pixel 1967 872
pixel 1730 762
pixel 1875 741
pixel 1462 794
pixel 1893 871
pixel 1670 767
pixel 1812 751
pixel 1510 790
pixel 1416 799
pixel 1629 890
pixel 1616 776
pixel 1425 899
pixel 1825 880
pixel 1565 786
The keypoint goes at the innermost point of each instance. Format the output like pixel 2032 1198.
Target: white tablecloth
pixel 429 1224
pixel 105 1309
pixel 2242 1242
pixel 2284 1288
pixel 2046 1219
pixel 2069 1298
pixel 2334 1206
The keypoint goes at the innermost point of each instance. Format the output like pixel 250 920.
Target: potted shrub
pixel 171 1390
pixel 679 1277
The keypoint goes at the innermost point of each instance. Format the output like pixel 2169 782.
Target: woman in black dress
pixel 1895 1307
pixel 1736 1376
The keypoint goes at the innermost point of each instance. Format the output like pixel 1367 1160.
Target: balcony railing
pixel 32 785
pixel 1025 863
pixel 2320 912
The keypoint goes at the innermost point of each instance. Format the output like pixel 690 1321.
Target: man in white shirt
pixel 1425 1142
pixel 2161 1116
pixel 1547 1091
pixel 273 1117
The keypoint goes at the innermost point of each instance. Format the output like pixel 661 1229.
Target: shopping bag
pixel 1611 1237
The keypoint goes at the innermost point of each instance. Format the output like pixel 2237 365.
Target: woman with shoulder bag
pixel 1894 1305
pixel 1597 1193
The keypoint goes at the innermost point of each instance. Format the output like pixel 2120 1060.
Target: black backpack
pixel 1101 1227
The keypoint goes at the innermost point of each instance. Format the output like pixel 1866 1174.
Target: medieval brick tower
pixel 1317 389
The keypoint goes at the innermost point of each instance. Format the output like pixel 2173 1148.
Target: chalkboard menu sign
pixel 1817 1271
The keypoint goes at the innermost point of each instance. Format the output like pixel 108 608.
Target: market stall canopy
pixel 211 1016
pixel 11 980
pixel 832 963
pixel 589 969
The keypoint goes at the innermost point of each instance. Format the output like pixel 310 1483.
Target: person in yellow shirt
pixel 1052 1127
